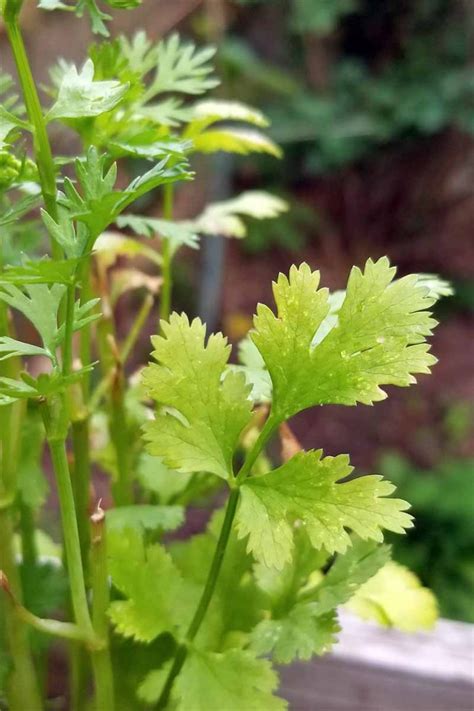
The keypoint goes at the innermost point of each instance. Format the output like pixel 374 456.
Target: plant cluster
pixel 158 621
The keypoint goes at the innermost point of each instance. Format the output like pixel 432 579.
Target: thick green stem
pixel 56 436
pixel 43 154
pixel 166 270
pixel 206 596
pixel 101 661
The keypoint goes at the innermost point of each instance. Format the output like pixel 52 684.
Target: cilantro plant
pixel 161 621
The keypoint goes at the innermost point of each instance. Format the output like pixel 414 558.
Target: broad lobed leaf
pixel 213 681
pixel 204 415
pixel 377 339
pixel 308 490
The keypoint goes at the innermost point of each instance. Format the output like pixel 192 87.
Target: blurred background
pixel 372 102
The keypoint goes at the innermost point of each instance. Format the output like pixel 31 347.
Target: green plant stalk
pixel 100 603
pixel 42 147
pixel 217 561
pixel 23 689
pixel 81 482
pixel 166 267
pixel 27 532
pixel 123 488
pixel 56 431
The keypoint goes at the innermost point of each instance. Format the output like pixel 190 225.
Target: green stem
pixel 42 148
pixel 101 660
pixel 123 489
pixel 166 271
pixel 206 596
pixel 81 483
pixel 216 565
pixel 268 429
pixel 22 690
pixel 56 435
pixel 27 532
pixel 68 329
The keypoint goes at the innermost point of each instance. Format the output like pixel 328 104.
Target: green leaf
pixel 32 484
pixel 235 140
pixel 214 682
pixel 157 599
pixel 306 490
pixel 40 304
pixel 349 571
pixel 10 348
pixel 204 415
pixel 178 234
pixel 8 123
pixel 378 339
pixel 79 96
pixel 44 271
pixel 182 68
pixel 394 597
pixel 298 635
pixel 145 517
pixel 256 374
pixel 154 476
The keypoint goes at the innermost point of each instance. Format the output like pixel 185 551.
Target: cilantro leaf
pixel 204 415
pixel 298 635
pixel 80 96
pixel 182 68
pixel 235 140
pixel 212 682
pixel 144 516
pixel 306 489
pixel 40 304
pixel 378 338
pixel 349 571
pixel 394 597
pixel 157 598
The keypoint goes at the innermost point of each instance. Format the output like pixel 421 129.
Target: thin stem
pixel 216 565
pixel 81 482
pixel 268 429
pixel 42 148
pixel 206 596
pixel 101 661
pixel 69 329
pixel 166 270
pixel 55 628
pixel 22 689
pixel 123 489
pixel 136 329
pixel 27 532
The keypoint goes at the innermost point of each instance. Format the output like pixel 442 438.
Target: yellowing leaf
pixel 235 140
pixel 205 113
pixel 204 415
pixel 378 338
pixel 306 490
pixel 224 217
pixel 394 597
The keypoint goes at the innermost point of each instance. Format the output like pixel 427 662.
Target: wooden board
pixel 375 669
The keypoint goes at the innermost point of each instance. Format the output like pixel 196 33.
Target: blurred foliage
pixel 385 72
pixel 440 549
